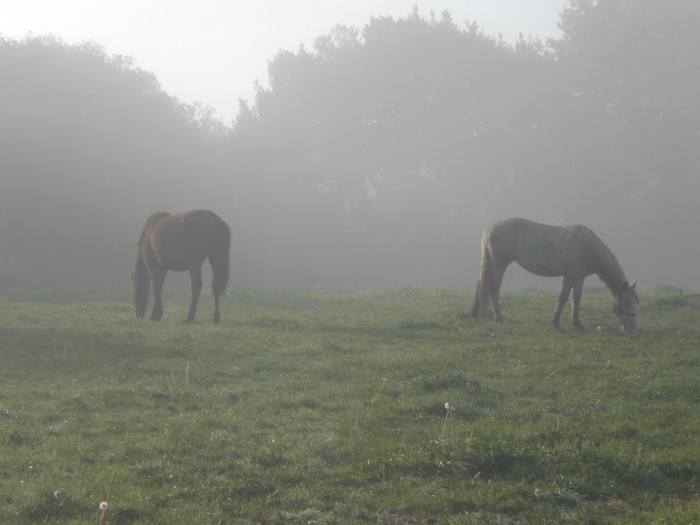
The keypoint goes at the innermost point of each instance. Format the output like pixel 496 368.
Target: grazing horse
pixel 180 243
pixel 574 252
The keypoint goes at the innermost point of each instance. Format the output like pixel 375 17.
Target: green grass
pixel 330 408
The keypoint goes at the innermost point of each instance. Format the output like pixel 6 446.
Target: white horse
pixel 574 252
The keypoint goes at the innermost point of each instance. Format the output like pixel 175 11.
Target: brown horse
pixel 180 243
pixel 574 252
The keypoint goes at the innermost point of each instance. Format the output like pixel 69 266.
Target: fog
pixel 374 159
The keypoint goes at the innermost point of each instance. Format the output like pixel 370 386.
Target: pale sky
pixel 212 51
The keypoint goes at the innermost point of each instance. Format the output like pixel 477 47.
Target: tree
pixel 90 146
pixel 633 68
pixel 394 135
pixel 414 132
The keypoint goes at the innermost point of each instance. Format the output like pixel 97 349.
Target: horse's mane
pixel 606 264
pixel 148 225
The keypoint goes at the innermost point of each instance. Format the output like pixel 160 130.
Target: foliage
pixel 90 144
pixel 632 67
pixel 414 132
pixel 375 158
pixel 330 408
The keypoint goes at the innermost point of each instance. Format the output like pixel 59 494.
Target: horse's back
pixel 542 249
pixel 509 230
pixel 517 228
pixel 183 241
pixel 200 217
pixel 191 224
pixel 201 228
pixel 503 237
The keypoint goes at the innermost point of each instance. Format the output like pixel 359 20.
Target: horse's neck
pixel 140 268
pixel 608 268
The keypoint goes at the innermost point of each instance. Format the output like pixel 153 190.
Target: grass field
pixel 331 408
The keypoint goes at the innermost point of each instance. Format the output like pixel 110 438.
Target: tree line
pixel 376 158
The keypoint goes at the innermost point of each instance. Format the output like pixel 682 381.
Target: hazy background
pixel 214 51
pixel 373 155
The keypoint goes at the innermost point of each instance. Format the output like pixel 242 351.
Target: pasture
pixel 330 407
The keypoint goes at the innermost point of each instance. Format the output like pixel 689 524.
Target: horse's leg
pixel 217 314
pixel 158 281
pixel 217 294
pixel 563 297
pixel 498 274
pixel 475 307
pixel 575 301
pixel 196 278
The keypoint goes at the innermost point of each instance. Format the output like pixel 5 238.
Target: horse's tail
pixel 485 275
pixel 219 259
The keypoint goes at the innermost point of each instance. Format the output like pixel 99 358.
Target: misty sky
pixel 212 51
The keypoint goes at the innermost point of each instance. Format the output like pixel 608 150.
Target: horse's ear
pixel 634 283
pixel 625 286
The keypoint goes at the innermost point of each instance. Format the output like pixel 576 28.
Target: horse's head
pixel 140 287
pixel 625 304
